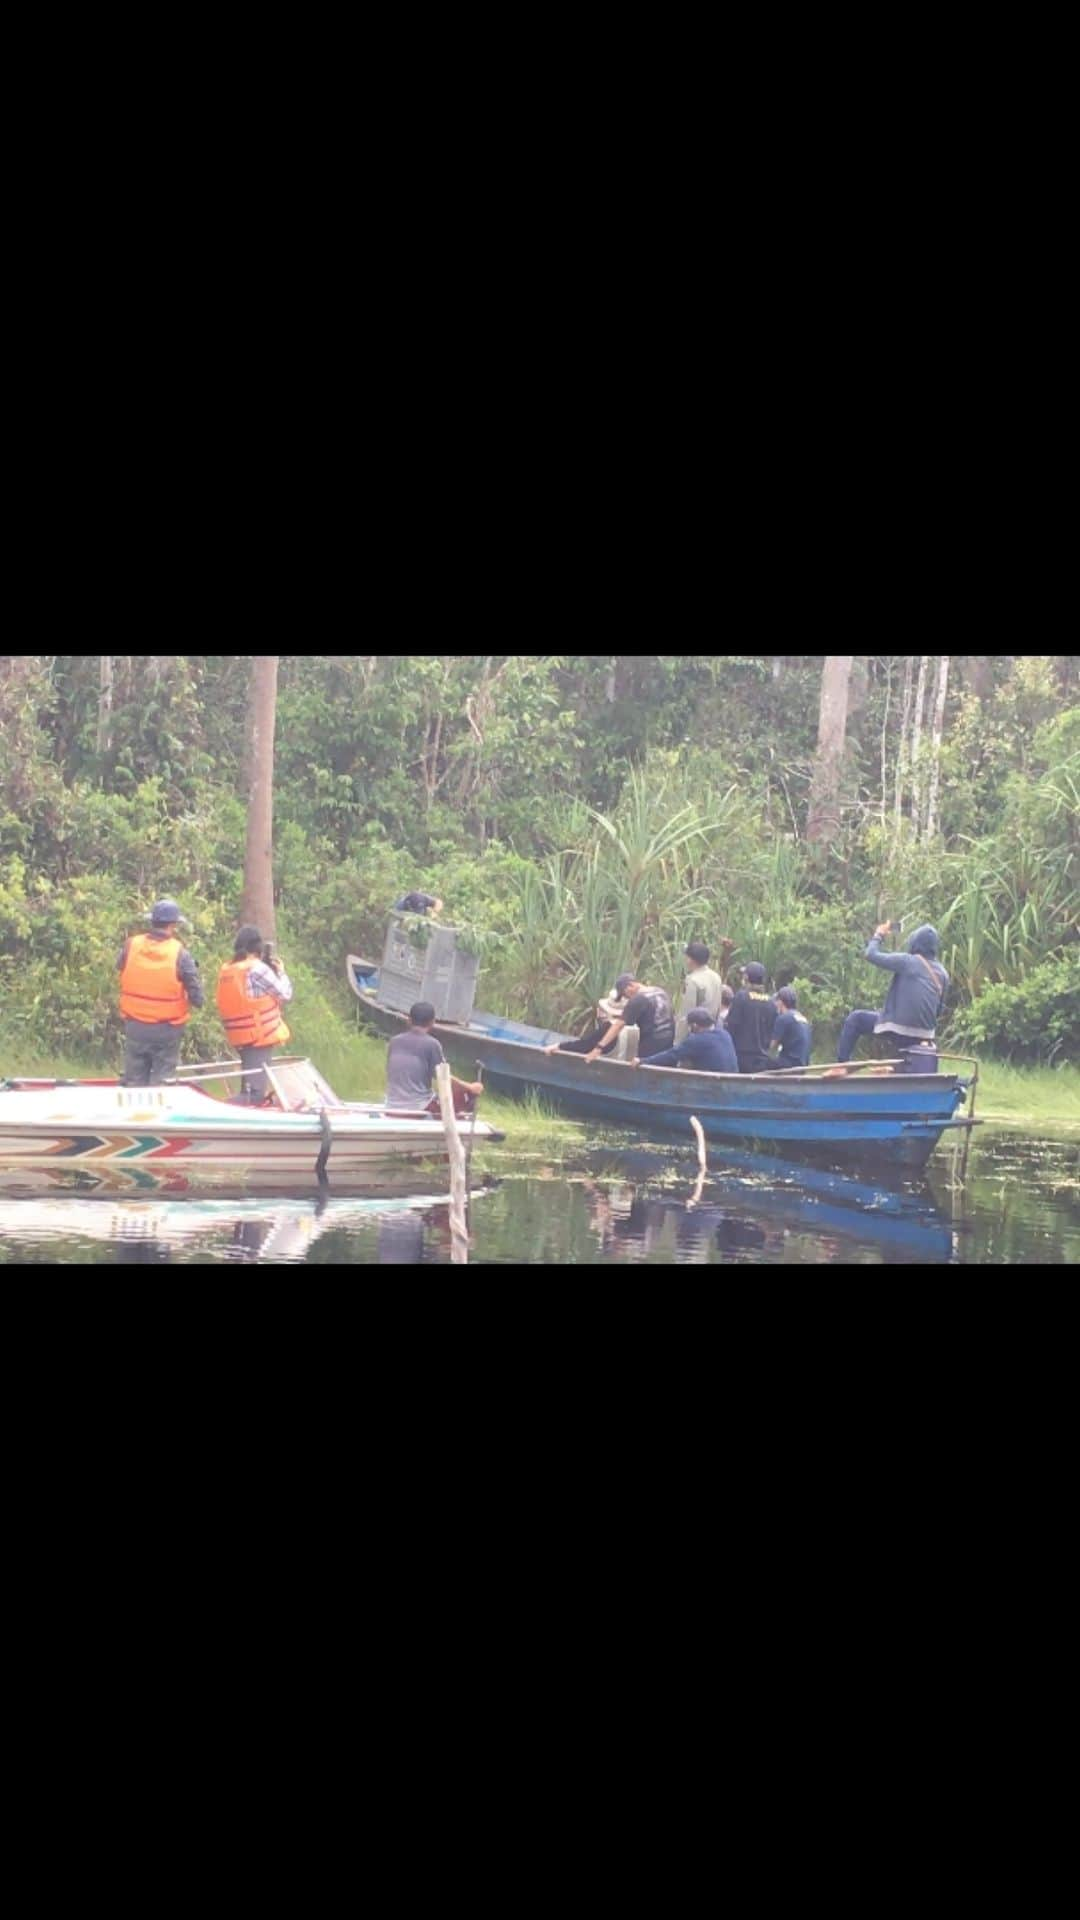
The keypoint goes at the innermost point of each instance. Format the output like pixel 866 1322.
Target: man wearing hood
pixel 915 997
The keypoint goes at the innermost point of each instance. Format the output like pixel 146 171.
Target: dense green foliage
pixel 578 813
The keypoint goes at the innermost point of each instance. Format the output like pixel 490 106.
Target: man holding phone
pixel 916 993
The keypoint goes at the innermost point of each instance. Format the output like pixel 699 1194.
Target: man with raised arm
pixel 915 998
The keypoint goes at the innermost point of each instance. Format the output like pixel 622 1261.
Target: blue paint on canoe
pixel 899 1115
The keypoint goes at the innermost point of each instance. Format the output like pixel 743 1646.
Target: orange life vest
pixel 149 987
pixel 248 1023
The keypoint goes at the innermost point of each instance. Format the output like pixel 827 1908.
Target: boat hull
pixel 181 1131
pixel 896 1118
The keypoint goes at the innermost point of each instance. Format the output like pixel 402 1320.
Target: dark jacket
pixel 707 1051
pixel 186 971
pixel 792 1034
pixel 750 1022
pixel 917 988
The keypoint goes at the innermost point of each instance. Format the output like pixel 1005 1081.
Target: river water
pixel 604 1202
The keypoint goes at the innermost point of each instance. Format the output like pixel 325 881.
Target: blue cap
pixel 164 912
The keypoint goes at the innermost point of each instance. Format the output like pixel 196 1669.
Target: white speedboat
pixel 183 1128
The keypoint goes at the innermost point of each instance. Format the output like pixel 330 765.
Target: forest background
pixel 577 813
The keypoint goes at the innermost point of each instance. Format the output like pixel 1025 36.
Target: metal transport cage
pixel 438 972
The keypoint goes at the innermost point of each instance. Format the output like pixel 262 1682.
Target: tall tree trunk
pixel 824 816
pixel 258 901
pixel 105 700
pixel 902 758
pixel 916 743
pixel 884 746
pixel 859 686
pixel 978 671
pixel 935 761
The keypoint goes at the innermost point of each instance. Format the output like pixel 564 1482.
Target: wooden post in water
pixel 699 1135
pixel 459 1233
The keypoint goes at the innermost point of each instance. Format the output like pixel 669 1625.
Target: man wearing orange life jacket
pixel 250 994
pixel 159 985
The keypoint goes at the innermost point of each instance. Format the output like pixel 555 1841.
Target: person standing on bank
pixel 159 985
pixel 792 1032
pixel 751 1019
pixel 916 994
pixel 649 1009
pixel 251 992
pixel 701 988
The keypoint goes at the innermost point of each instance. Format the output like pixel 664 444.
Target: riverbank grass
pixel 1029 1096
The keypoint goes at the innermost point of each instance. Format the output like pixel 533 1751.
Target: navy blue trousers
pixel 863 1021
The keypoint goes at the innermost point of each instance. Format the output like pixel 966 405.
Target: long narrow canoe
pixel 866 1113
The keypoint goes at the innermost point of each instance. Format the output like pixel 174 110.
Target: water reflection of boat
pixel 748 1205
pixel 118 1183
pixel 262 1228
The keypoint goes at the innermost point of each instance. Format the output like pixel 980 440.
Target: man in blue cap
pixel 706 1048
pixel 159 985
pixel 915 997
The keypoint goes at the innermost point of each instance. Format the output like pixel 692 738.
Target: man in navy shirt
pixel 792 1032
pixel 706 1048
pixel 751 1019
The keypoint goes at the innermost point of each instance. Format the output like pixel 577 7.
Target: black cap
pixel 754 971
pixel 624 980
pixel 422 1013
pixel 700 1017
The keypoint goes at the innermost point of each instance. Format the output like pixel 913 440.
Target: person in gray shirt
pixel 411 1060
pixel 701 988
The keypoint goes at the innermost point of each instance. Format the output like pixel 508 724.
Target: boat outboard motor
pixel 920 1059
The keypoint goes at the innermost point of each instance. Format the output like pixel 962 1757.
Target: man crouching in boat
pixel 649 1009
pixel 411 1060
pixel 915 998
pixel 706 1049
pixel 610 1008
pixel 252 989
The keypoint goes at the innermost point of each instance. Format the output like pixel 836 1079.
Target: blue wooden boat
pixel 870 1111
